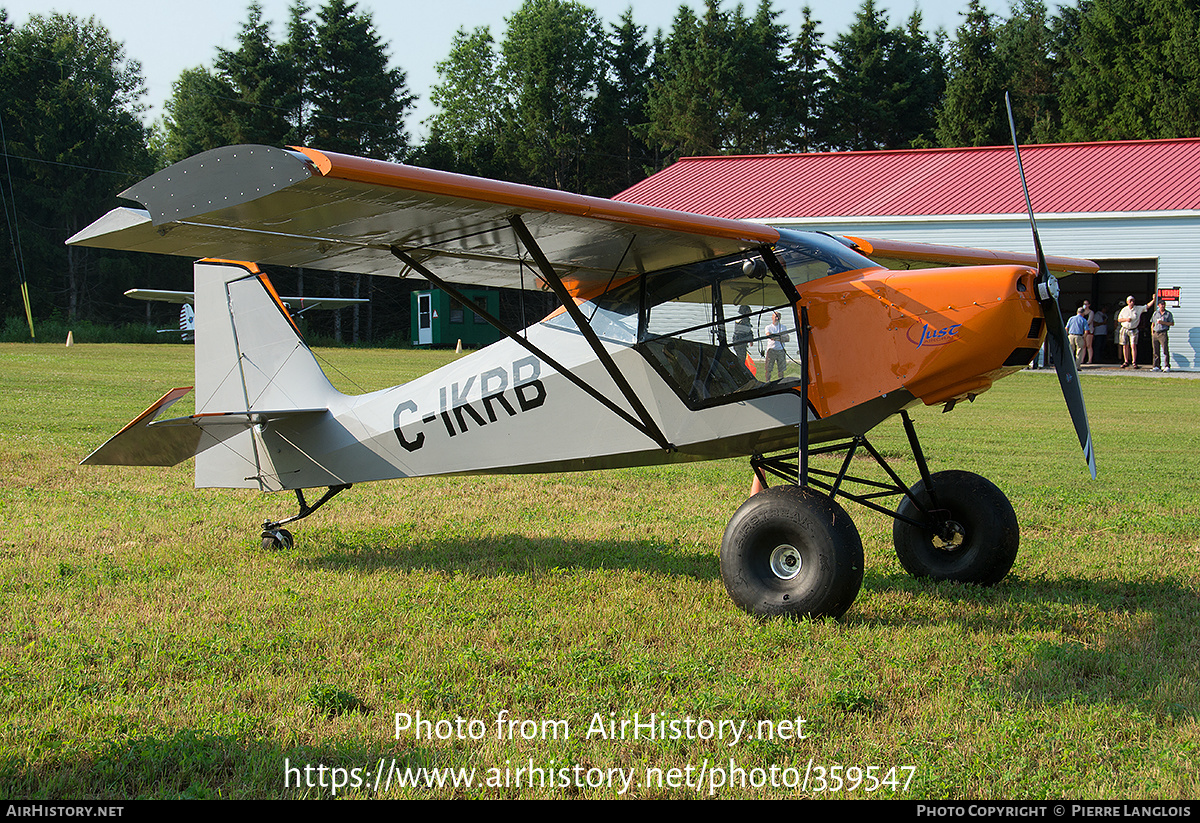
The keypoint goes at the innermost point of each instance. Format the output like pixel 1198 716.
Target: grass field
pixel 149 647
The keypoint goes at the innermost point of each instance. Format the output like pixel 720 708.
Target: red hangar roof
pixel 1125 176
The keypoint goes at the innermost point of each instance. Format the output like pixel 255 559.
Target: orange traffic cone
pixel 756 486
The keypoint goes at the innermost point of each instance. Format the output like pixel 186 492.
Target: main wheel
pixel 789 550
pixel 973 536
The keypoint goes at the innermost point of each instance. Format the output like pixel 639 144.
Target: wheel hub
pixel 950 537
pixel 785 562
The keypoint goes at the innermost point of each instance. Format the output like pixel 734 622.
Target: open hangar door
pixel 1116 280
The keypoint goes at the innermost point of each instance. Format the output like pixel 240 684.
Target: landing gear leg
pixel 275 537
pixel 950 525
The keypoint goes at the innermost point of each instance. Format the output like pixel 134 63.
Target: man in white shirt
pixel 776 336
pixel 1129 318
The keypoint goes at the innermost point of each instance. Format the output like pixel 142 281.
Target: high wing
pixel 899 254
pixel 304 208
pixel 296 304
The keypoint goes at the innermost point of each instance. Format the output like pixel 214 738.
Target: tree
pixel 759 79
pixel 75 138
pixel 359 103
pixel 553 60
pixel 858 68
pixel 619 153
pixel 298 57
pixel 1133 71
pixel 468 131
pixel 690 104
pixel 918 69
pixel 259 80
pixel 805 96
pixel 1025 46
pixel 884 82
pixel 254 94
pixel 973 112
pixel 197 117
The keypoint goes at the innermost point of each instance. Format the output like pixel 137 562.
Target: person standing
pixel 1089 335
pixel 1099 334
pixel 1129 318
pixel 1160 323
pixel 776 336
pixel 742 334
pixel 1076 329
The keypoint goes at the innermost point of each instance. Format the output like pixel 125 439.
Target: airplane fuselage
pixel 880 341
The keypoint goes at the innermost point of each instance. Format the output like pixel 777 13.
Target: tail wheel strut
pixel 275 537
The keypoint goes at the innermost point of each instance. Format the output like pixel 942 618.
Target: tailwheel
pixel 971 533
pixel 789 550
pixel 277 539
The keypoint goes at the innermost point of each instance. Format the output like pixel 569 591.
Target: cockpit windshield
pixel 720 329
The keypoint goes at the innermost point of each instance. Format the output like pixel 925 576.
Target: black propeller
pixel 1056 333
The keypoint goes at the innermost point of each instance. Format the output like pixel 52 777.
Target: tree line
pixel 560 99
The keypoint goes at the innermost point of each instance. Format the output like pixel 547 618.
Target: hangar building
pixel 1132 206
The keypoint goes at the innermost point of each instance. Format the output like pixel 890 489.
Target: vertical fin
pixel 249 357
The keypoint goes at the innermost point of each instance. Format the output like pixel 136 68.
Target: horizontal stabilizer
pixel 139 445
pixel 147 441
pixel 235 418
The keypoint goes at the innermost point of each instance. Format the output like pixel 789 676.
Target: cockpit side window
pixel 702 326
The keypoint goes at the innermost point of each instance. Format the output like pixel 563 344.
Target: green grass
pixel 149 647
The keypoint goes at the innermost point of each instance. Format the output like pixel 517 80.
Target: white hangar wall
pixel 1172 239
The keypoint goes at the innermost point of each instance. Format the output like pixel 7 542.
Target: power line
pixel 14 232
pixel 6 155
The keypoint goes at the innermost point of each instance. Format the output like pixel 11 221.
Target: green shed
pixel 440 320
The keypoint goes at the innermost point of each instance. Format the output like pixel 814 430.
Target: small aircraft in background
pixel 187 300
pixel 642 363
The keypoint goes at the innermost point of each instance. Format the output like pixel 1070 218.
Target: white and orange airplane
pixel 652 356
pixel 187 300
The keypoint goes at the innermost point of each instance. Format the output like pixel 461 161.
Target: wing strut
pixel 651 430
pixel 585 328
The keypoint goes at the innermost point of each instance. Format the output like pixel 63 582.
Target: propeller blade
pixel 1064 363
pixel 1056 334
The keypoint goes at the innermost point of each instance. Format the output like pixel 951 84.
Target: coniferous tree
pixel 759 80
pixel 619 153
pixel 197 117
pixel 298 57
pixel 973 112
pixel 918 74
pixel 807 88
pixel 686 102
pixel 259 79
pixel 1025 49
pixel 1133 71
pixel 858 70
pixel 359 103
